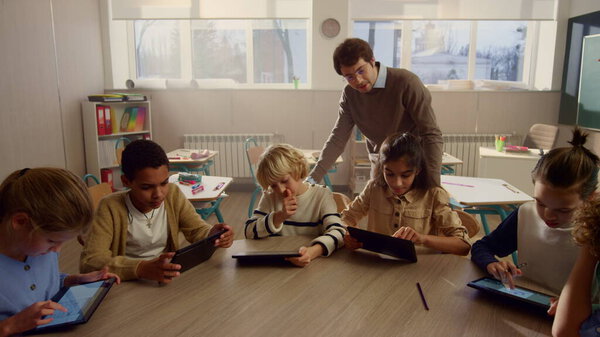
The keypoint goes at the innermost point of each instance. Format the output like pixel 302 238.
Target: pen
pixel 198 190
pixel 456 184
pixel 510 188
pixel 174 157
pixel 221 184
pixel 422 296
pixel 195 186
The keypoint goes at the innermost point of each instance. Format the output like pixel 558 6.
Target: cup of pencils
pixel 500 143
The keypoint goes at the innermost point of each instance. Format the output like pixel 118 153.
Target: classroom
pixel 212 74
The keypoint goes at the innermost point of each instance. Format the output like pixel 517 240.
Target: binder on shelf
pixel 107 121
pixel 106 176
pixel 131 97
pixel 105 98
pixel 139 121
pixel 132 119
pixel 113 120
pixel 100 120
pixel 125 120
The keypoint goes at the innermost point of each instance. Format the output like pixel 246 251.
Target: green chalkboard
pixel 588 112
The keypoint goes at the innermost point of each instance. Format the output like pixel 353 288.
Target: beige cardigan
pixel 105 244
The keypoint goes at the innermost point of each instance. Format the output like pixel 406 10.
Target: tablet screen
pixel 524 294
pixel 79 300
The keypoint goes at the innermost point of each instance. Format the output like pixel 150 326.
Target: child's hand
pixel 159 269
pixel 504 271
pixel 31 316
pixel 226 239
pixel 290 204
pixel 301 261
pixel 102 274
pixel 408 233
pixel 553 306
pixel 351 243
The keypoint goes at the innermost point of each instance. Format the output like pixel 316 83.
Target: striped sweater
pixel 316 215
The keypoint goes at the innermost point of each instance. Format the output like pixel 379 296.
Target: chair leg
pixel 252 201
pixel 327 182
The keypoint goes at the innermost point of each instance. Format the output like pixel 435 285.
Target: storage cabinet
pixel 104 140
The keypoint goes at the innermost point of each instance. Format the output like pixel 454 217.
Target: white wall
pixel 50 61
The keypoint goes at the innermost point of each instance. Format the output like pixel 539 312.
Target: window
pixel 439 50
pixel 244 51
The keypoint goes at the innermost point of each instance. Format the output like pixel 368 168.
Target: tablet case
pixel 87 309
pixel 474 284
pixel 196 253
pixel 385 244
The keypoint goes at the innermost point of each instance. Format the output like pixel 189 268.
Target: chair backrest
pixel 541 136
pixel 253 152
pixel 341 200
pixel 469 221
pixel 97 191
pixel 119 150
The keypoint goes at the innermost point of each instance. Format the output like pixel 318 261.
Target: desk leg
pixel 327 182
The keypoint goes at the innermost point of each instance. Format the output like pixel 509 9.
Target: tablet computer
pixel 80 300
pixel 265 256
pixel 196 253
pixel 385 244
pixel 524 295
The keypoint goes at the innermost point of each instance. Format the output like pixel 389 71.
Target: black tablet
pixel 265 256
pixel 385 244
pixel 196 253
pixel 80 300
pixel 521 294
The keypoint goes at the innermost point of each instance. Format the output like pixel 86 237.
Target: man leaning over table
pixel 379 101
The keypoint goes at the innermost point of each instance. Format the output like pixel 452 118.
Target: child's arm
pixel 29 318
pixel 262 224
pixel 446 244
pixel 332 231
pixel 102 274
pixel 358 209
pixel 501 242
pixel 574 305
pixel 308 254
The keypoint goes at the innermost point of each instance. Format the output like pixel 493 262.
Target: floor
pixel 234 209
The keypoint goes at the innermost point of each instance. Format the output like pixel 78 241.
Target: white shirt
pixel 146 233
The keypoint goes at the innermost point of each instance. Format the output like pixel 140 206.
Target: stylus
pixel 422 296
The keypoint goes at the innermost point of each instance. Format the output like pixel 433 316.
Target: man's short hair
pixel 141 154
pixel 349 52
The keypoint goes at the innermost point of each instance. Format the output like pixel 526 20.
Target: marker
pixel 198 190
pixel 174 157
pixel 457 184
pixel 422 296
pixel 218 187
pixel 195 186
pixel 510 188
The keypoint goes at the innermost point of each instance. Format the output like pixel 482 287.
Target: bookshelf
pixel 101 143
pixel 360 170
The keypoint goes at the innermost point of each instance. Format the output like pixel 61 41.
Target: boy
pixel 290 206
pixel 136 232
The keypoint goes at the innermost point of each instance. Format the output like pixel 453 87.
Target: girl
pixel 404 201
pixel 541 230
pixel 574 314
pixel 40 209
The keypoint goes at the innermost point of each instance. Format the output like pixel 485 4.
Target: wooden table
pixel 514 167
pixel 346 294
pixel 313 155
pixel 449 162
pixel 180 159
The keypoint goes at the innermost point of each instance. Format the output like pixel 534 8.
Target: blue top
pixel 24 283
pixel 381 77
pixel 501 242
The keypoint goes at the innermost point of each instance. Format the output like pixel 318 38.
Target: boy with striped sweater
pixel 291 206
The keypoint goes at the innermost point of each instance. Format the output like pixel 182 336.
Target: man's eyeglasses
pixel 352 77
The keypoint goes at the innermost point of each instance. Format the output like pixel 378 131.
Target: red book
pixel 106 176
pixel 107 121
pixel 100 120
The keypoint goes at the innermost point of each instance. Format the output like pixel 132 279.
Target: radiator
pixel 231 160
pixel 466 148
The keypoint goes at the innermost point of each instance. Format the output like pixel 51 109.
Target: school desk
pixel 313 155
pixel 212 193
pixel 514 167
pixel 180 161
pixel 346 294
pixel 449 162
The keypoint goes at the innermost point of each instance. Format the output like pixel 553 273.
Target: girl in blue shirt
pixel 40 209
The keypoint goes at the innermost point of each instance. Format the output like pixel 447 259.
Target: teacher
pixel 380 101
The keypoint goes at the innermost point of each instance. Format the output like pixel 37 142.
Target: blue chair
pixel 206 212
pixel 253 152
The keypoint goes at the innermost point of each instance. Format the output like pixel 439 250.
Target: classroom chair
pixel 206 212
pixel 253 152
pixel 119 150
pixel 97 192
pixel 469 221
pixel 341 201
pixel 541 136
